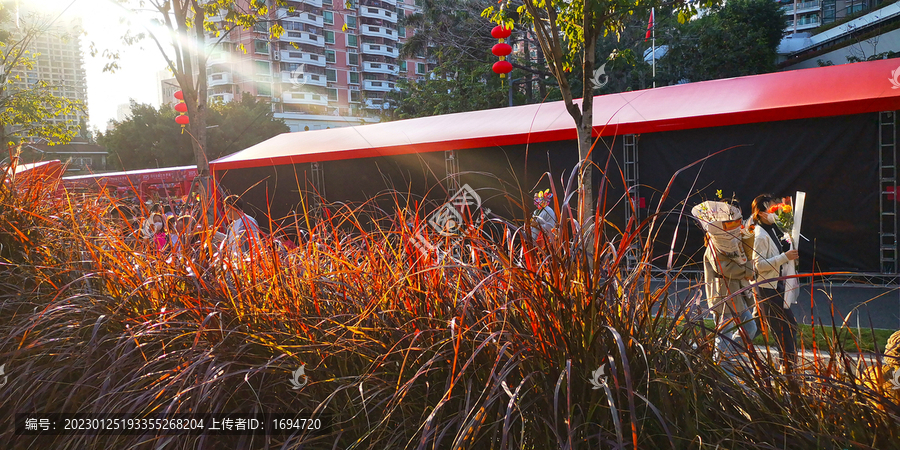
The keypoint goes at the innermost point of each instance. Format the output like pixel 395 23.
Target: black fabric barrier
pixel 834 160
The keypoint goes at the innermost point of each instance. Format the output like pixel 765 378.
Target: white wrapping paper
pixel 792 285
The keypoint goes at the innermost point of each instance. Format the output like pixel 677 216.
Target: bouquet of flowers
pixel 542 199
pixel 784 216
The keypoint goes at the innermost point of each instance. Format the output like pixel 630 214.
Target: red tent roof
pixel 43 170
pixel 826 91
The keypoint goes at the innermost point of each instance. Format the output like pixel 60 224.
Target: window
pixel 401 31
pixel 403 66
pixel 329 37
pixel 328 17
pixel 420 68
pixel 369 76
pixel 332 95
pixel 353 59
pixel 351 21
pixel 261 46
pixel 354 96
pixel 262 67
pixel 352 40
pixel 330 56
pixel 354 77
pixel 331 74
pixel 260 27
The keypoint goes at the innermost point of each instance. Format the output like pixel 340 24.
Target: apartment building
pixel 807 15
pixel 59 62
pixel 333 66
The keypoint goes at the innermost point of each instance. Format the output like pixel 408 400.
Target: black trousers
pixel 781 323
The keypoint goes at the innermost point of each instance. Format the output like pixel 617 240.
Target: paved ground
pixel 860 306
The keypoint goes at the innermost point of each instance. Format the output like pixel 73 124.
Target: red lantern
pixel 503 68
pixel 182 120
pixel 181 107
pixel 501 33
pixel 501 49
pixel 179 95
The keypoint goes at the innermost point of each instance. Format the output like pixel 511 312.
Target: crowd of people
pixel 178 229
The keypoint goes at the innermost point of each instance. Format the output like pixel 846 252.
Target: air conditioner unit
pixel 277 56
pixel 352 50
pixel 276 99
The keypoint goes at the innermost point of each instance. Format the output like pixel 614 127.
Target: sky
pixel 139 63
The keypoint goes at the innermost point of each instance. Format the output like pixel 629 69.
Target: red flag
pixel 649 25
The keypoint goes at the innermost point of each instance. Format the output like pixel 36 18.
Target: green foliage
pixel 150 137
pixel 458 40
pixel 469 88
pixel 737 39
pixel 24 111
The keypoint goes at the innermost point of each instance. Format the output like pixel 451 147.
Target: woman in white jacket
pixel 770 253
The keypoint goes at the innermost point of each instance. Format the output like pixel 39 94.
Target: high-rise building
pixel 333 66
pixel 814 13
pixel 167 87
pixel 59 62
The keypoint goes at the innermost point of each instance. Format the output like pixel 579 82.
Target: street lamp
pixel 511 83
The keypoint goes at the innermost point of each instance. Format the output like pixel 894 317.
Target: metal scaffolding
pixel 451 166
pixel 887 199
pixel 632 183
pixel 318 181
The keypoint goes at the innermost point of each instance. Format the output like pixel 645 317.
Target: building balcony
pixel 219 79
pixel 304 98
pixel 377 103
pixel 379 86
pixel 218 58
pixel 224 98
pixel 303 79
pixel 804 24
pixel 804 7
pixel 380 49
pixel 380 67
pixel 390 2
pixel 316 3
pixel 301 57
pixel 373 12
pixel 376 31
pixel 303 37
pixel 300 16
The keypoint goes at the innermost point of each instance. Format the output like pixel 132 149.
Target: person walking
pixel 770 254
pixel 727 270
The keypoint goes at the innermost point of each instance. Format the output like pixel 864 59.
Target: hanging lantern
pixel 501 49
pixel 499 32
pixel 503 68
pixel 181 108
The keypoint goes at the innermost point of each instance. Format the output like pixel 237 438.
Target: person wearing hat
pixel 727 272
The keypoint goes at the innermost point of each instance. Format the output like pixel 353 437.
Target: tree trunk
pixel 585 123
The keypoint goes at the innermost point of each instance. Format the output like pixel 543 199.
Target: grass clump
pixel 489 343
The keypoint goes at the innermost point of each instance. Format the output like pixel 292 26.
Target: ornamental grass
pixel 494 341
